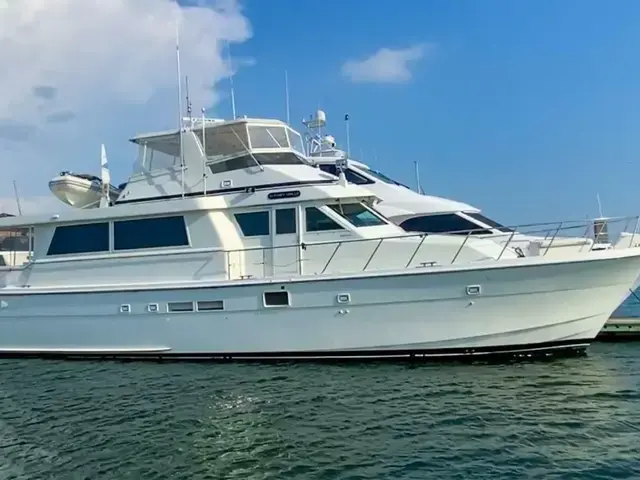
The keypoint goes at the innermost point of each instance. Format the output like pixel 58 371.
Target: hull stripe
pixel 563 347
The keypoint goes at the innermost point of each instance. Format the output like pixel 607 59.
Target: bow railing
pixel 364 254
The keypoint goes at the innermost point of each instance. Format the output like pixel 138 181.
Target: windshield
pixel 382 176
pixel 248 161
pixel 488 221
pixel 296 141
pixel 357 214
pixel 268 137
pixel 221 141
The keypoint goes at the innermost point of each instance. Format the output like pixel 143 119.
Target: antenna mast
pixel 599 205
pixel 204 158
pixel 346 119
pixel 286 92
pixel 186 79
pixel 105 177
pixel 418 187
pixel 15 191
pixel 233 97
pixel 180 123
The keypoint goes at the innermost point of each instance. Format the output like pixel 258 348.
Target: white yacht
pixel 417 212
pixel 226 243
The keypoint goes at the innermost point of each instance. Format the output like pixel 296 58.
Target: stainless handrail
pixel 415 252
pixel 501 238
pixel 509 243
pixel 555 234
pixel 375 250
pixel 561 227
pixel 455 257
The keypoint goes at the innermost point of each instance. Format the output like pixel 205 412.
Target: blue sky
pixel 525 109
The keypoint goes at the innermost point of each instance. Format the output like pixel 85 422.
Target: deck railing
pixel 366 254
pixel 549 235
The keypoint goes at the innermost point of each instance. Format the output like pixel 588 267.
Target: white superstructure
pixel 225 242
pixel 417 212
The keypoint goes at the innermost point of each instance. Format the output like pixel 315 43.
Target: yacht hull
pixel 527 307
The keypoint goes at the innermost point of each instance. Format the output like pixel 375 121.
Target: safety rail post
pixel 552 239
pixel 508 242
pixel 455 257
pixel 634 231
pixel 265 266
pixel 373 254
pixel 13 237
pixel 415 252
pixel 32 246
pixel 331 257
pixel 228 255
pixel 596 235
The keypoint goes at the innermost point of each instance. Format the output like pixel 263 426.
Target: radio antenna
pixel 233 97
pixel 286 93
pixel 346 121
pixel 186 80
pixel 180 122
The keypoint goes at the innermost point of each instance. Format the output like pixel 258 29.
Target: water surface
pixel 572 418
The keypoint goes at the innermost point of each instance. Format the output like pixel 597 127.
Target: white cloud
pixel 32 205
pixel 387 65
pixel 76 72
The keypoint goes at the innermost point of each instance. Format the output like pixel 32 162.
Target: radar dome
pixel 330 140
pixel 321 116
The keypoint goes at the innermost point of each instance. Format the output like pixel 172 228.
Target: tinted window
pixel 279 158
pixel 69 239
pixel 383 177
pixel 15 243
pixel 318 222
pixel 350 175
pixel 448 223
pixel 233 164
pixel 246 161
pixel 357 214
pixel 253 224
pixel 488 221
pixel 150 233
pixel 286 221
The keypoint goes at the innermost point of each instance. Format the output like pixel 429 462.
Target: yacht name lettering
pixel 287 194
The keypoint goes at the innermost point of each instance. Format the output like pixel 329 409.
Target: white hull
pixel 525 307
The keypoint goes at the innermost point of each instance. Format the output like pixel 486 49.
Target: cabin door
pixel 285 231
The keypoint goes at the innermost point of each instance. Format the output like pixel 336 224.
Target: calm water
pixel 572 418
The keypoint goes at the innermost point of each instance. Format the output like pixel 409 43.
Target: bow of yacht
pixel 226 242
